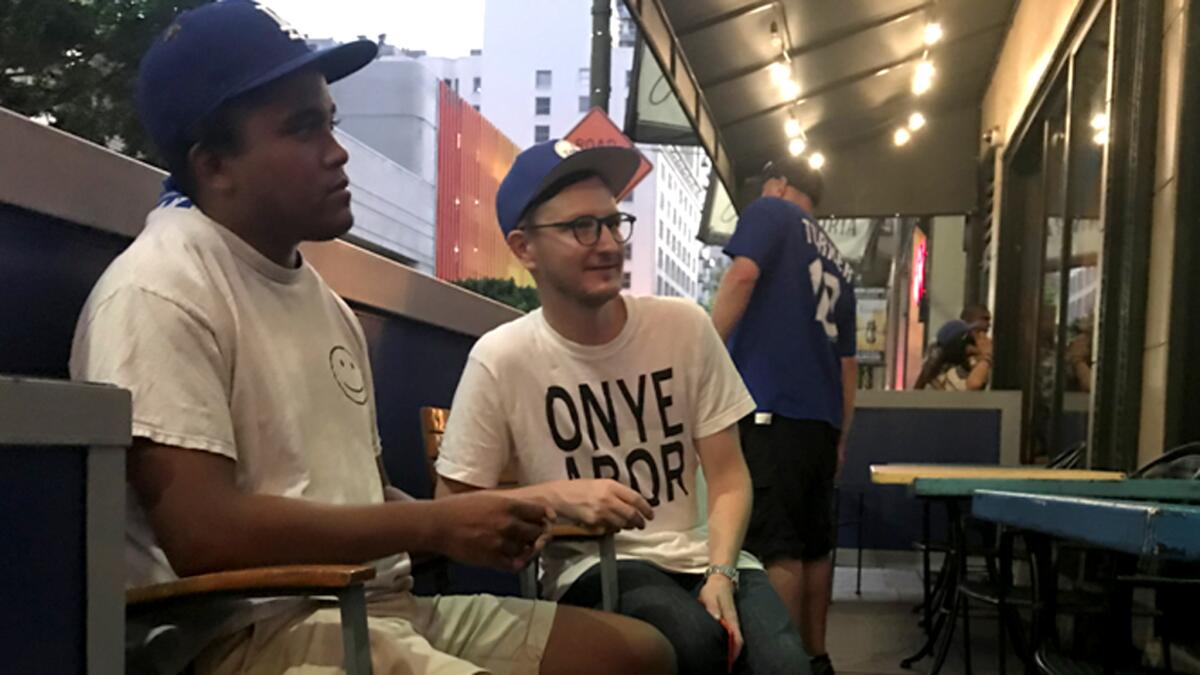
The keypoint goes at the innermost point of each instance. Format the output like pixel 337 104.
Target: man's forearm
pixel 728 518
pixel 849 392
pixel 259 530
pixel 733 296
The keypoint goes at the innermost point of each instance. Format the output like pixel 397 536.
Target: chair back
pixel 433 427
pixel 1182 462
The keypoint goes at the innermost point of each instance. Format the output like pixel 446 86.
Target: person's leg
pixel 773 645
pixel 787 578
pixel 817 582
pixel 506 635
pixel 651 595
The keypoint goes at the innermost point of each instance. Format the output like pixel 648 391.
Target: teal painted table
pixel 1151 529
pixel 1132 489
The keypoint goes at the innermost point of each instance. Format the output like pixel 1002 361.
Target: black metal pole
pixel 601 54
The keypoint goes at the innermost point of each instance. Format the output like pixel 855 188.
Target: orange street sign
pixel 595 130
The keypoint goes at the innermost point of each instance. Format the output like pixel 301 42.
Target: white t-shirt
pixel 630 410
pixel 226 352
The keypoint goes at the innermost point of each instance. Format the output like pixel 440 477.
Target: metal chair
pixel 433 426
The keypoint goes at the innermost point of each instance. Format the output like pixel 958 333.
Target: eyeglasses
pixel 587 228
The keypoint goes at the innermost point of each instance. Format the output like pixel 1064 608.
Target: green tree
pixel 505 291
pixel 73 63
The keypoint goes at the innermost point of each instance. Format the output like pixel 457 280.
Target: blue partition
pixel 936 429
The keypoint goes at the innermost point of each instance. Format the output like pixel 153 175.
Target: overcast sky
pixel 441 27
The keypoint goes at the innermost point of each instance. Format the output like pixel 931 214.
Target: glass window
pixel 628 197
pixel 585 77
pixel 541 133
pixel 628 251
pixel 542 79
pixel 585 104
pixel 477 84
pixel 625 280
pixel 541 105
pixel 628 32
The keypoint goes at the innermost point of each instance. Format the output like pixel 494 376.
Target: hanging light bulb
pixel 1100 121
pixel 790 89
pixel 797 146
pixel 901 136
pixel 1101 137
pixel 776 37
pixel 923 78
pixel 933 33
pixel 916 121
pixel 780 71
pixel 816 161
pixel 792 127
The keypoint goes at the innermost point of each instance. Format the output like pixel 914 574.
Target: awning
pixel 853 64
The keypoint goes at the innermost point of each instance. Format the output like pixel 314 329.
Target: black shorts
pixel 793 464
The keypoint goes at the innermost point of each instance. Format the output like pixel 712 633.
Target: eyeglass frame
pixel 620 217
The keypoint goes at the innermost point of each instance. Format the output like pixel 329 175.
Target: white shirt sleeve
pixel 722 398
pixel 169 359
pixel 476 445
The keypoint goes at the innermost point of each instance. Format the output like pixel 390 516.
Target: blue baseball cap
pixel 953 330
pixel 543 167
pixel 221 50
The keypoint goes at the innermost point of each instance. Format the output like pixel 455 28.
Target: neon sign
pixel 918 272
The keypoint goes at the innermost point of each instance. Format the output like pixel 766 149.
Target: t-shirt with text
pixel 629 410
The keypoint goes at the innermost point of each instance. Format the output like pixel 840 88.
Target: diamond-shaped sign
pixel 595 130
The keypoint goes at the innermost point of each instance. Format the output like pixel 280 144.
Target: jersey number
pixel 826 290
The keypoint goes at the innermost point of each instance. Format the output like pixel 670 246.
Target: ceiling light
pixel 1101 137
pixel 780 71
pixel 925 70
pixel 797 146
pixel 776 38
pixel 792 127
pixel 901 136
pixel 816 161
pixel 923 78
pixel 790 89
pixel 1100 121
pixel 933 33
pixel 916 121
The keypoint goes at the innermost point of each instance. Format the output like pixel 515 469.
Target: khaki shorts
pixel 441 635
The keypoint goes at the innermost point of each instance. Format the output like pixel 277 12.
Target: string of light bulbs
pixel 781 72
pixel 922 82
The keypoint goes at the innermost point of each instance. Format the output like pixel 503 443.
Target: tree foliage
pixel 505 291
pixel 74 63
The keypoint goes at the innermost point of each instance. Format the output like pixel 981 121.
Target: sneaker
pixel 821 665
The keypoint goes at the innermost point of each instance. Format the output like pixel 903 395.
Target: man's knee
pixel 650 652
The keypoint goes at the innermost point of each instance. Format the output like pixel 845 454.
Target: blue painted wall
pixel 908 435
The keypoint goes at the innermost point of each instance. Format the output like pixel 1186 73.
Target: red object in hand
pixel 731 646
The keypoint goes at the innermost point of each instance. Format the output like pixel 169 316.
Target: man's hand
pixel 603 502
pixel 982 347
pixel 717 598
pixel 487 528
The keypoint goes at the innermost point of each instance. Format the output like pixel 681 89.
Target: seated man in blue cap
pixel 253 406
pixel 607 406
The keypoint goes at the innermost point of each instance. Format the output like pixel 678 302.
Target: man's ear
pixel 775 187
pixel 211 170
pixel 522 246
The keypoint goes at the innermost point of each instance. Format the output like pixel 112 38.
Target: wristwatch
pixel 726 571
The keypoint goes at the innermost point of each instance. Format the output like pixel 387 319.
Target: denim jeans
pixel 669 602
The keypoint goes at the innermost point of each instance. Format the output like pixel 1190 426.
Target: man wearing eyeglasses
pixel 607 405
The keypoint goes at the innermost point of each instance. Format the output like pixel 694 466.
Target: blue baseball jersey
pixel 800 321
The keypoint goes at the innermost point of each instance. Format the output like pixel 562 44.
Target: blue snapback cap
pixel 953 330
pixel 221 50
pixel 544 165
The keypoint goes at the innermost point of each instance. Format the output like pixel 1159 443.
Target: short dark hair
pixel 798 174
pixel 973 313
pixel 219 131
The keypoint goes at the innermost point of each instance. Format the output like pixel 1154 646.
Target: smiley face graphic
pixel 348 375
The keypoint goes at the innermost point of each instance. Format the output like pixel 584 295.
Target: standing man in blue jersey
pixel 786 309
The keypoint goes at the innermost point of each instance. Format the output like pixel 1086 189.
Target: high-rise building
pixel 535 86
